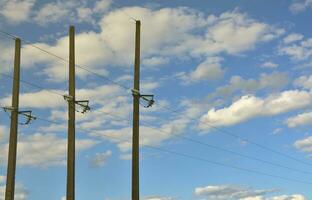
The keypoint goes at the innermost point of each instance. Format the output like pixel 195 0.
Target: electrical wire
pixel 226 132
pixel 195 157
pixel 173 134
pixel 65 60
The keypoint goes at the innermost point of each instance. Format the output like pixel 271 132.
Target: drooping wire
pixel 173 134
pixel 65 60
pixel 221 130
pixel 190 156
pixel 228 133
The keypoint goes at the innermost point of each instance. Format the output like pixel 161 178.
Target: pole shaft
pixel 136 118
pixel 10 183
pixel 70 195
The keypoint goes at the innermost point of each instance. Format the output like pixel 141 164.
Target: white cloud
pixel 71 10
pixel 51 12
pixel 155 61
pixel 149 135
pixel 43 150
pixel 304 82
pixel 289 197
pixel 292 38
pixel 3 133
pixel 176 32
pixel 269 65
pixel 102 5
pixel 158 198
pixel 99 160
pixel 225 33
pixel 300 50
pixel 2 179
pixel 248 107
pixel 208 70
pixel 300 6
pixel 299 120
pixel 304 145
pixel 40 99
pixel 16 11
pixel 273 81
pixel 228 192
pixel 50 98
pixel 20 192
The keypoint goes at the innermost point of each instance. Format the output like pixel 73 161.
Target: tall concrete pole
pixel 70 193
pixel 136 117
pixel 10 182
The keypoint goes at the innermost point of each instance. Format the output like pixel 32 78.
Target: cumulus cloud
pixel 300 5
pixel 273 81
pixel 20 192
pixel 210 69
pixel 304 82
pixel 155 61
pixel 53 99
pixel 226 192
pixel 304 145
pixel 299 120
pixel 40 99
pixel 149 135
pixel 158 198
pixel 289 197
pixel 249 106
pixel 269 65
pixel 3 133
pixel 16 11
pixel 2 179
pixel 100 159
pixel 292 38
pixel 43 150
pixel 176 32
pixel 300 50
pixel 71 10
pixel 229 192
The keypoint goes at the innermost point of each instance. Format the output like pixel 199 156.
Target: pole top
pixel 138 22
pixel 71 27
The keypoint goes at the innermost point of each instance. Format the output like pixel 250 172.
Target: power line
pixel 32 84
pixel 226 132
pixel 229 166
pixel 173 134
pixel 123 11
pixel 211 146
pixel 193 157
pixel 64 60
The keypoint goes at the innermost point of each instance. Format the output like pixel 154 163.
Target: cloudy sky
pixel 233 88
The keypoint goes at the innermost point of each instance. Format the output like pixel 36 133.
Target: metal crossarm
pixel 26 113
pixel 82 103
pixel 149 98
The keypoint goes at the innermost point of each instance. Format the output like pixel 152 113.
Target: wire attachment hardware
pixel 84 104
pixel 25 113
pixel 148 98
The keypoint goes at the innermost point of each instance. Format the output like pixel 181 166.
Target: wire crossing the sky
pixel 176 135
pixel 221 130
pixel 173 134
pixel 189 156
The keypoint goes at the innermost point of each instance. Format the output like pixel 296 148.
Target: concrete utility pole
pixel 70 194
pixel 10 182
pixel 136 117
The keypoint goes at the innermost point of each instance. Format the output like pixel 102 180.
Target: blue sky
pixel 238 68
